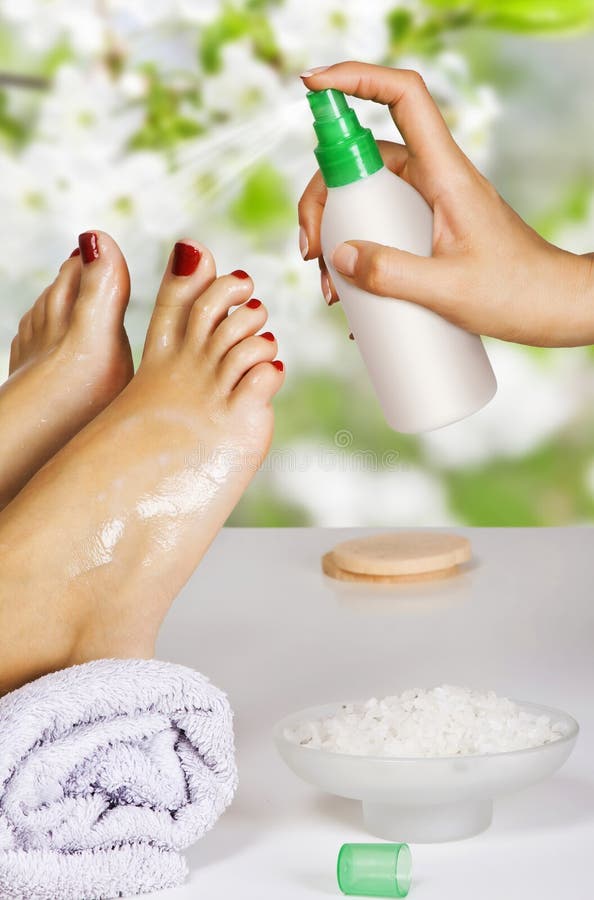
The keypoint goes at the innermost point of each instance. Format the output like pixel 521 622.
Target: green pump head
pixel 346 151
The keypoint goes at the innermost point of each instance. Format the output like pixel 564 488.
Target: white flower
pixel 44 23
pixel 140 13
pixel 243 85
pixel 87 113
pixel 79 173
pixel 470 110
pixel 321 32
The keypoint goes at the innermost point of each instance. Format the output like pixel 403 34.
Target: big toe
pixel 190 271
pixel 104 282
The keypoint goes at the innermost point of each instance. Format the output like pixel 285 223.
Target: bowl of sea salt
pixel 427 765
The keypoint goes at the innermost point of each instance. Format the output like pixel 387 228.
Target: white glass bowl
pixel 425 800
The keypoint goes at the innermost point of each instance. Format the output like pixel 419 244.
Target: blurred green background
pixel 186 117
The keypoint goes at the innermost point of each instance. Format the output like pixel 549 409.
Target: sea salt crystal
pixel 445 721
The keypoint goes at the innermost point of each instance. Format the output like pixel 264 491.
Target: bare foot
pixel 71 357
pixel 99 542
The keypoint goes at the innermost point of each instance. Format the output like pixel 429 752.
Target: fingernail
pixel 315 71
pixel 75 252
pixel 268 336
pixel 344 258
pixel 326 289
pixel 278 365
pixel 185 259
pixel 253 303
pixel 239 273
pixel 89 246
pixel 303 242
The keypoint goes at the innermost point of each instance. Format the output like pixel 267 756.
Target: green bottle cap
pixel 374 870
pixel 346 151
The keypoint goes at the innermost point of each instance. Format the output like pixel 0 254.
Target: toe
pixel 104 283
pixel 212 308
pixel 190 270
pixel 260 383
pixel 26 331
pixel 61 296
pixel 15 355
pixel 241 358
pixel 241 324
pixel 38 314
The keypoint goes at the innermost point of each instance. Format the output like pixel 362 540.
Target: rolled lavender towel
pixel 107 771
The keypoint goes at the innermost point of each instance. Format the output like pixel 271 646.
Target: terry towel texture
pixel 107 771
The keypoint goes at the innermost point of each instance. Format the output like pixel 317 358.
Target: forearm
pixel 569 282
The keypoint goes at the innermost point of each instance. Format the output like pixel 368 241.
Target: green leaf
pixel 573 207
pixel 165 125
pixel 426 36
pixel 261 507
pixel 58 55
pixel 535 16
pixel 323 408
pixel 264 202
pixel 14 131
pixel 400 23
pixel 546 487
pixel 233 24
pixel 263 40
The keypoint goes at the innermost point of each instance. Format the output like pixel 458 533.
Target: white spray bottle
pixel 426 371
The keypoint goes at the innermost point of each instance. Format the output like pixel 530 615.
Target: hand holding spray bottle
pixel 426 372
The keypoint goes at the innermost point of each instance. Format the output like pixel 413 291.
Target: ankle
pixel 94 642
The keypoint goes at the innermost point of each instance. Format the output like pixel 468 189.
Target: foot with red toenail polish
pixel 140 493
pixel 70 358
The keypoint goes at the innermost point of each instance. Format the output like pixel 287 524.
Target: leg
pixel 70 358
pixel 101 540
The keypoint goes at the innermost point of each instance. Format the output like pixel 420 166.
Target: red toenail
pixel 75 252
pixel 185 259
pixel 89 246
pixel 278 365
pixel 239 273
pixel 268 335
pixel 254 304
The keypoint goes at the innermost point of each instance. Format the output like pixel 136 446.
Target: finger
pixel 404 92
pixel 388 272
pixel 313 200
pixel 310 209
pixel 329 292
pixel 395 156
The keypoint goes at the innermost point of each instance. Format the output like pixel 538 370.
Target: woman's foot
pixel 71 357
pixel 100 541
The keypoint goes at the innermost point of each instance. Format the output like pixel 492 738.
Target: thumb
pixel 396 273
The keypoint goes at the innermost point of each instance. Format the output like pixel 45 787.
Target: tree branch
pixel 30 82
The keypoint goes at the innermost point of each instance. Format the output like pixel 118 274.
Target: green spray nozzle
pixel 328 104
pixel 346 151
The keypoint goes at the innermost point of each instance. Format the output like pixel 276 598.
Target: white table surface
pixel 263 623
